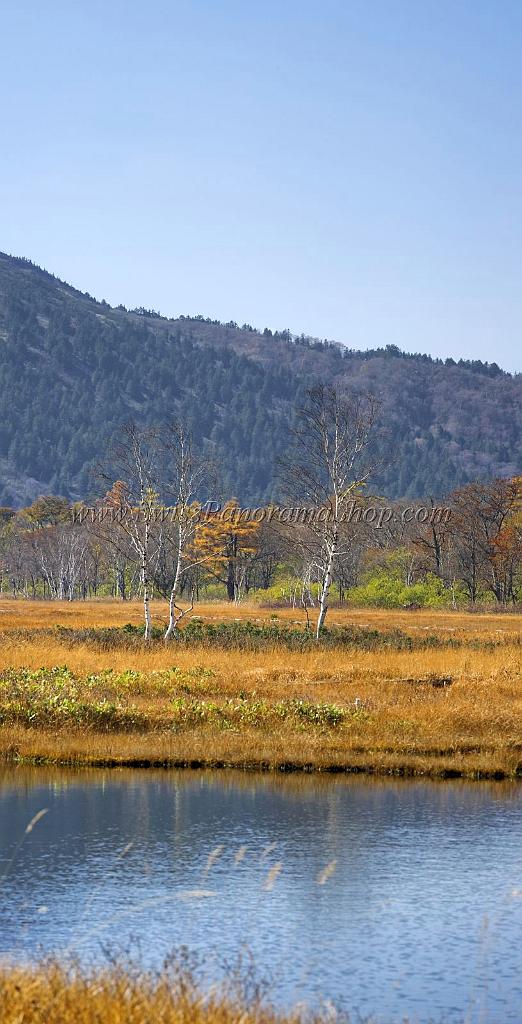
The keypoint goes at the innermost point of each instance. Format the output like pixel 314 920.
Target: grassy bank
pixel 427 694
pixel 49 993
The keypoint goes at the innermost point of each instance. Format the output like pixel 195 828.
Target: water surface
pixel 418 912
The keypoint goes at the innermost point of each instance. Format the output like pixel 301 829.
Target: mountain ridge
pixel 72 368
pixel 233 328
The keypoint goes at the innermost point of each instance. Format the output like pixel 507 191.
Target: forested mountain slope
pixel 72 369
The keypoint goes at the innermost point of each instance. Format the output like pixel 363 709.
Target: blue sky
pixel 347 169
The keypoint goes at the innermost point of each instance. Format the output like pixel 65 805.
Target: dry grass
pixel 41 614
pixel 49 994
pixel 402 723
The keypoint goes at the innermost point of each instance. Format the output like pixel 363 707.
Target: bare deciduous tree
pixel 134 461
pixel 160 478
pixel 329 461
pixel 186 474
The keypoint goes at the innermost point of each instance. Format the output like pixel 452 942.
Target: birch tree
pixel 134 460
pixel 186 473
pixel 155 498
pixel 329 461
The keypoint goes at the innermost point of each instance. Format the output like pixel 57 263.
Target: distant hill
pixel 73 368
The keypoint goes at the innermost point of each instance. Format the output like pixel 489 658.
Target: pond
pixel 381 897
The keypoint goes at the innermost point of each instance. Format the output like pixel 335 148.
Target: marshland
pixel 123 850
pixel 415 693
pixel 140 884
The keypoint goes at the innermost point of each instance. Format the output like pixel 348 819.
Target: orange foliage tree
pixel 228 543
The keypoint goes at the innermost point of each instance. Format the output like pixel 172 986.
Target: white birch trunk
pixel 145 584
pixel 172 605
pixel 146 610
pixel 325 589
pixel 174 591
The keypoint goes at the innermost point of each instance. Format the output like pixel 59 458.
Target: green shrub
pixel 51 697
pixel 387 590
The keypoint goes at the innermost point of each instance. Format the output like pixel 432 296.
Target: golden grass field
pixel 105 612
pixel 401 724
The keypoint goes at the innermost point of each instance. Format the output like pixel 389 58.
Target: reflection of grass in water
pixel 302 786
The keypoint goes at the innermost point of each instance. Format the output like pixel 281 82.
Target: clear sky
pixel 346 168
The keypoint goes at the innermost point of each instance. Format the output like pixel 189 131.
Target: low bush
pixel 250 636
